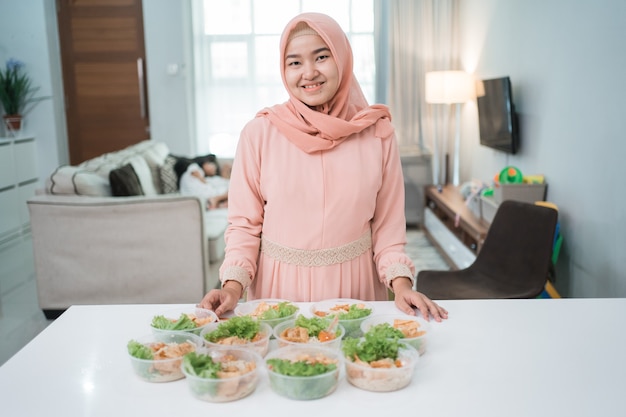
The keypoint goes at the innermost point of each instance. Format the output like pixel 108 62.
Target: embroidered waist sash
pixel 317 257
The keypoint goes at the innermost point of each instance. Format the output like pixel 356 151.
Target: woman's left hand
pixel 406 298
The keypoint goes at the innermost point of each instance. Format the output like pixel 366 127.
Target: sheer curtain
pixel 423 36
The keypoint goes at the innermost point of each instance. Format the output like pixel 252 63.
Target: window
pixel 236 47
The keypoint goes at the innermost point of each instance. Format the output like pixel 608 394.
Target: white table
pixel 501 358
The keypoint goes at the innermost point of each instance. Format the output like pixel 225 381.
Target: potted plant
pixel 16 92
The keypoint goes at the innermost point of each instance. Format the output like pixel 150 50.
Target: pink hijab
pixel 346 113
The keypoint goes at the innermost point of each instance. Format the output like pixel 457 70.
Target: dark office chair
pixel 513 262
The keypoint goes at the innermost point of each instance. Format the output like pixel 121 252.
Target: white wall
pixel 167 38
pixel 566 61
pixel 24 36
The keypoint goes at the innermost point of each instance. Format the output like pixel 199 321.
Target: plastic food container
pixel 167 350
pixel 287 340
pixel 328 308
pixel 260 343
pixel 415 329
pixel 304 387
pixel 237 378
pixel 266 310
pixel 184 319
pixel 369 378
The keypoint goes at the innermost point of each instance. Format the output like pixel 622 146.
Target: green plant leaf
pixel 16 90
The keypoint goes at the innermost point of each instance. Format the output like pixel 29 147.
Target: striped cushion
pixel 169 179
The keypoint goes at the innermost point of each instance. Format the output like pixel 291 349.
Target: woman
pixel 316 203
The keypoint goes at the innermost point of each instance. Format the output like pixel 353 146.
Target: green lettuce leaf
pixel 299 368
pixel 355 312
pixel 386 330
pixel 243 327
pixel 139 351
pixel 183 323
pixel 285 309
pixel 314 325
pixel 201 365
pixel 372 347
pixel 323 378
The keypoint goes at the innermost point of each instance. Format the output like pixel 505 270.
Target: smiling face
pixel 311 73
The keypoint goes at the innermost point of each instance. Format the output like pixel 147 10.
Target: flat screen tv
pixel 496 116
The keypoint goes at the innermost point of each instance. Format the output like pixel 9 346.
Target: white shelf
pixel 18 182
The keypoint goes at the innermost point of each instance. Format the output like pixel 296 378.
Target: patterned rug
pixel 422 252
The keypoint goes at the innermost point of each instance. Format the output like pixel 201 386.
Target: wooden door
pixel 103 60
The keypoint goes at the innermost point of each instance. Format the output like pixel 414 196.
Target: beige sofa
pixel 91 247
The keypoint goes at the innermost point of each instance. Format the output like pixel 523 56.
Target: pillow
pixel 144 174
pixel 155 155
pixel 169 179
pixel 125 182
pixel 75 180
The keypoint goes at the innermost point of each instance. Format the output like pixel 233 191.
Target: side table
pixel 450 225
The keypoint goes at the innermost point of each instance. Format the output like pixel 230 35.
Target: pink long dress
pixel 332 222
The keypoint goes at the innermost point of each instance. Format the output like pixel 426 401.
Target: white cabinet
pixel 18 181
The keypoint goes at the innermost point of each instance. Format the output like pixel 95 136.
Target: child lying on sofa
pixel 202 179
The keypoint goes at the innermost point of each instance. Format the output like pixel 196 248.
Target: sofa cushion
pixel 143 173
pixel 167 175
pixel 69 179
pixel 155 155
pixel 124 182
pixel 216 222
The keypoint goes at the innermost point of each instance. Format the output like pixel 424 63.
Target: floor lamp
pixel 450 87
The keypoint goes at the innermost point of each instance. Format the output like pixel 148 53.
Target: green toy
pixel 510 175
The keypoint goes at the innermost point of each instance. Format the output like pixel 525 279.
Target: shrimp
pixel 408 327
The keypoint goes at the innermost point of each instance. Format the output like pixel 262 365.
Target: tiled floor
pixel 423 253
pixel 20 316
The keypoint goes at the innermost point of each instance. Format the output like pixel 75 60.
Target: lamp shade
pixel 449 87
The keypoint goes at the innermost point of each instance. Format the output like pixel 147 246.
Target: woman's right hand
pixel 224 300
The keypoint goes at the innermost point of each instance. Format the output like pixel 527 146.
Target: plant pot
pixel 13 122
